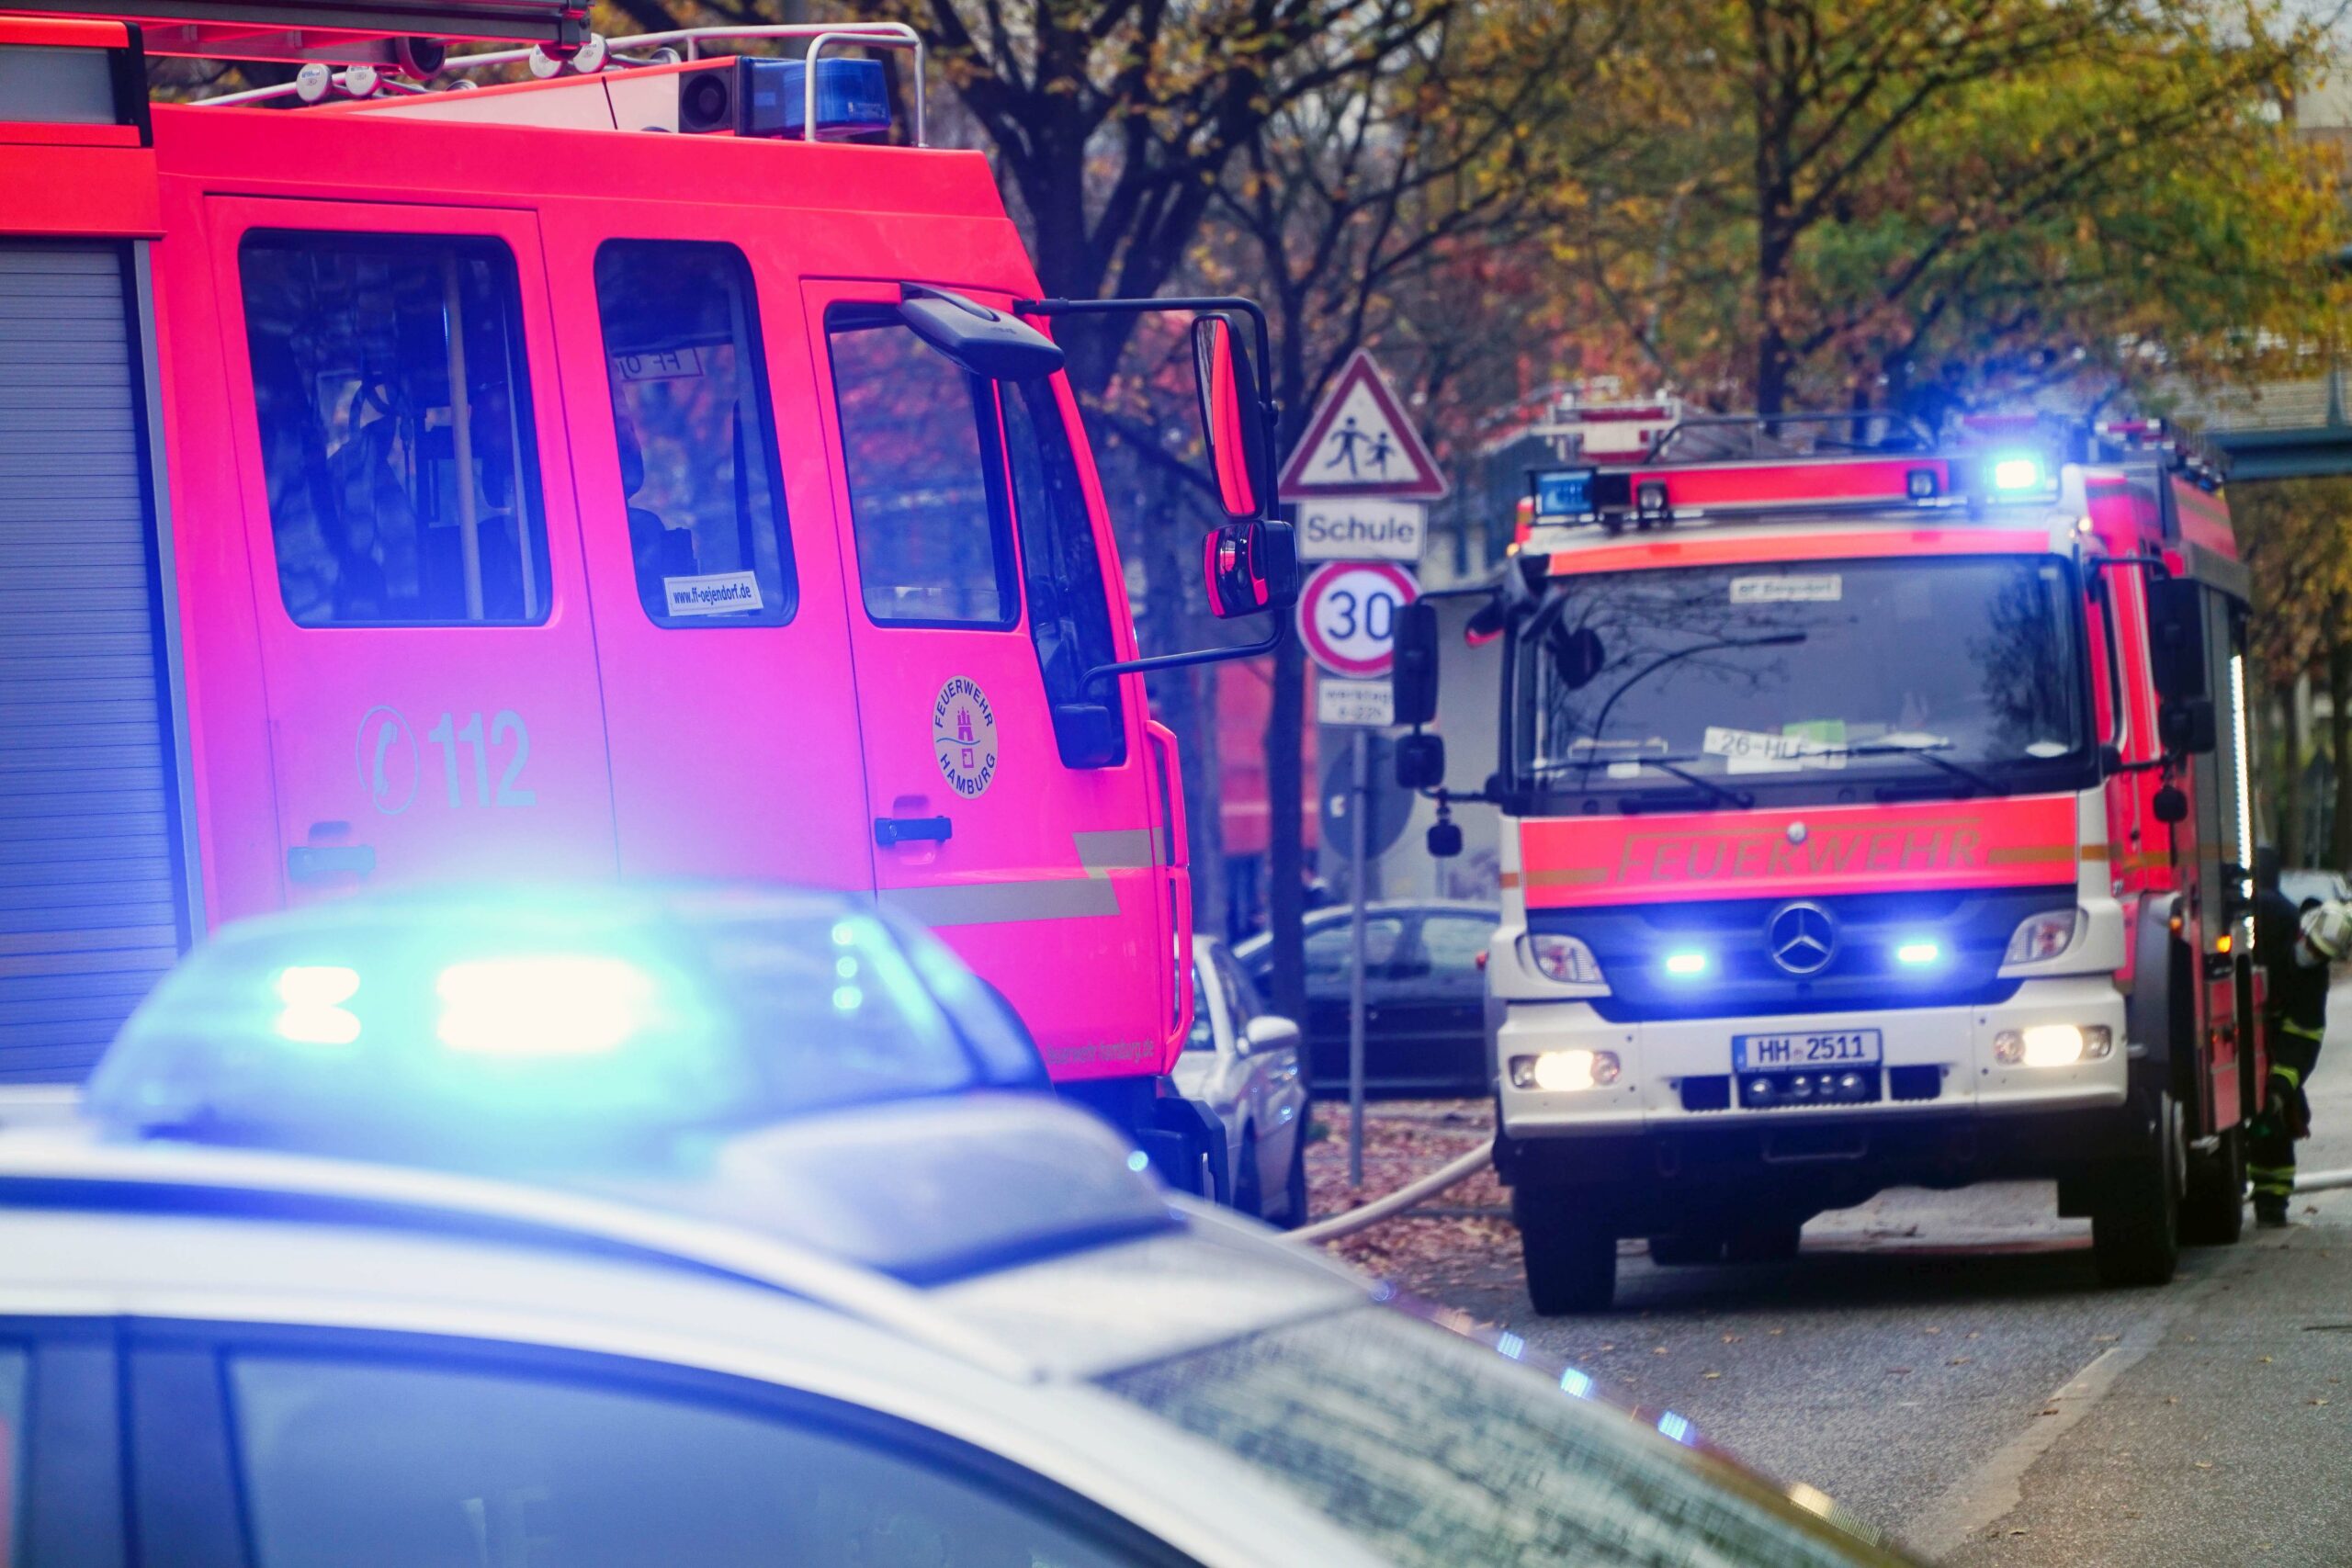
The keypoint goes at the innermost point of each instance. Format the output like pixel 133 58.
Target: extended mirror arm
pixel 1269 410
pixel 1181 661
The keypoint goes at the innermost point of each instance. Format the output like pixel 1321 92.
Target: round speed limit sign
pixel 1347 615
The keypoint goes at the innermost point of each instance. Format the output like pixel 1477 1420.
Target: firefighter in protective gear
pixel 2297 948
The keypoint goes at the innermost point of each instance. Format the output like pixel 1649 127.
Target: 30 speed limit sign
pixel 1347 615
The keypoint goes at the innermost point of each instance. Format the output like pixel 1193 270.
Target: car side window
pixel 696 439
pixel 1061 566
pixel 1241 996
pixel 398 1464
pixel 1452 944
pixel 1332 949
pixel 927 512
pixel 395 423
pixel 1203 1035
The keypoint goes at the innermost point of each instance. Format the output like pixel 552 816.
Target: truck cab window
pixel 931 546
pixel 1061 566
pixel 696 437
pixel 395 426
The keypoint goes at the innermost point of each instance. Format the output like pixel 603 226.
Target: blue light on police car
pixel 313 995
pixel 1918 954
pixel 2017 471
pixel 544 1004
pixel 1686 965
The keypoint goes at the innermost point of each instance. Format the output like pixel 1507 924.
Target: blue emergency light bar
pixel 853 98
pixel 1563 495
pixel 490 1029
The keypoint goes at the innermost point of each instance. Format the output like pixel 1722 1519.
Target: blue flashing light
pixel 1564 493
pixel 853 98
pixel 314 995
pixel 1686 965
pixel 545 1004
pixel 1510 1344
pixel 1575 1383
pixel 1917 954
pixel 2017 471
pixel 1139 1161
pixel 1678 1427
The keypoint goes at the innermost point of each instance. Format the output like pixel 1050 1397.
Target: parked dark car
pixel 1425 997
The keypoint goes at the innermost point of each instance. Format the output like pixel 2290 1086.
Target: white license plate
pixel 1819 1048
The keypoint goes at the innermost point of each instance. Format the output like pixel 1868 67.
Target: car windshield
pixel 1966 670
pixel 1434 1451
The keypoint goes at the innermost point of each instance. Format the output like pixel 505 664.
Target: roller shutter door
pixel 89 896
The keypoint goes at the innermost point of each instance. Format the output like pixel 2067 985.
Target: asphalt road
pixel 1948 1367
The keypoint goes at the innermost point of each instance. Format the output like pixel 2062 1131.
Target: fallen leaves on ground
pixel 1472 1237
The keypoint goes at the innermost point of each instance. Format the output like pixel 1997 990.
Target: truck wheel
pixel 1771 1240
pixel 2135 1226
pixel 1682 1251
pixel 1571 1257
pixel 2212 1212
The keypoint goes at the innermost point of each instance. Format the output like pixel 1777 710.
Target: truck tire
pixel 2135 1221
pixel 2212 1212
pixel 1571 1257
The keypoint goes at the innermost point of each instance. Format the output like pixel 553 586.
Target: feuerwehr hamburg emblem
pixel 963 734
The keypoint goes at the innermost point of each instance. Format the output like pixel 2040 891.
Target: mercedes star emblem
pixel 1802 939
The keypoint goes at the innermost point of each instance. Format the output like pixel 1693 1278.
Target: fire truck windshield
pixel 1863 679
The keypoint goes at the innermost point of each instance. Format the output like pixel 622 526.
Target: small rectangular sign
pixel 1789 588
pixel 1368 704
pixel 1825 1048
pixel 660 364
pixel 719 593
pixel 1361 528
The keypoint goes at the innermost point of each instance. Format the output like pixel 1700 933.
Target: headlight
pixel 1564 1070
pixel 2053 1046
pixel 1562 958
pixel 2045 935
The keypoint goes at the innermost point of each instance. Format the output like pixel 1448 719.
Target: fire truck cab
pixel 1874 815
pixel 651 469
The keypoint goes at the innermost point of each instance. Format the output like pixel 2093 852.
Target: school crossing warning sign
pixel 1361 444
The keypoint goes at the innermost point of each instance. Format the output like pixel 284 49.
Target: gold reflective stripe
pixel 2306 1031
pixel 1012 899
pixel 2029 855
pixel 2294 1079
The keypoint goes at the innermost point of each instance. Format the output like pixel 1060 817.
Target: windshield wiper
pixel 1960 771
pixel 1738 798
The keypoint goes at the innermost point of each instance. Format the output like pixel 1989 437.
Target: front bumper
pixel 1961 1116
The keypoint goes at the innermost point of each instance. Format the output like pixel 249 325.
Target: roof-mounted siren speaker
pixel 707 100
pixel 1921 484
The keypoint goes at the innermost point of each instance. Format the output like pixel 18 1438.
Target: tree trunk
pixel 2341 734
pixel 2289 791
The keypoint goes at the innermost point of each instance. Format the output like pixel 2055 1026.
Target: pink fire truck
pixel 660 467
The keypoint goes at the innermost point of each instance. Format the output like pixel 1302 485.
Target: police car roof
pixel 1009 1231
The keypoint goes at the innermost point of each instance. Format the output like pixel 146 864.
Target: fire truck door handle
pixel 317 862
pixel 890 831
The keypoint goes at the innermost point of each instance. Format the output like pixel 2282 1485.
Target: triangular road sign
pixel 1360 443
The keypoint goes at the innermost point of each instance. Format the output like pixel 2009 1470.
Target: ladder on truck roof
pixel 299 31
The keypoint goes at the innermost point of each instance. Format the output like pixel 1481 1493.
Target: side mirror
pixel 1412 677
pixel 1577 656
pixel 1444 839
pixel 1268 1032
pixel 2176 639
pixel 2185 726
pixel 1420 761
pixel 2170 804
pixel 989 343
pixel 1248 567
pixel 1088 735
pixel 1231 417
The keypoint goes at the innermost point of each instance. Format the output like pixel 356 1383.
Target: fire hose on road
pixel 1455 1172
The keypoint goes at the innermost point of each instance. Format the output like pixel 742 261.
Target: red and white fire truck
pixel 654 468
pixel 1875 813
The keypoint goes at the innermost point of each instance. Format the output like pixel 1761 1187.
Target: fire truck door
pixel 1008 815
pixel 433 701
